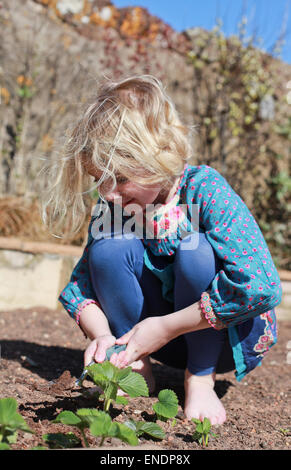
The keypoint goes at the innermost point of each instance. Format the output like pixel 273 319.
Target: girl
pixel 195 296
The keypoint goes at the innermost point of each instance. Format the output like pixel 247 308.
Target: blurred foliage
pixel 244 127
pixel 276 223
pixel 239 104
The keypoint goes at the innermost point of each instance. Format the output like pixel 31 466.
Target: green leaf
pixel 197 437
pixel 81 412
pixel 4 446
pixel 110 391
pixel 132 424
pixel 122 373
pixel 142 427
pixel 108 370
pixel 11 436
pixel 8 409
pixel 135 385
pixel 113 430
pixel 101 424
pixel 61 441
pixel 121 400
pixel 153 430
pixel 18 422
pixel 126 434
pixel 39 448
pixel 87 415
pixel 69 418
pixel 199 428
pixel 167 406
pixel 10 420
pixel 206 425
pixel 95 371
pixel 196 421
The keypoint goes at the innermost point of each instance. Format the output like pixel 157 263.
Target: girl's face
pixel 132 193
pixel 127 192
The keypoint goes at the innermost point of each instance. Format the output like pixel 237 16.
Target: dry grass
pixel 20 217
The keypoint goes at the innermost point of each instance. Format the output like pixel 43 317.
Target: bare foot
pixel 143 367
pixel 201 400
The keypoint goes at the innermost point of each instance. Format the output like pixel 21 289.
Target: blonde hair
pixel 130 129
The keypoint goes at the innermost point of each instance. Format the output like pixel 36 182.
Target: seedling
pixel 100 425
pixel 60 440
pixel 104 427
pixel 114 349
pixel 10 422
pixel 141 427
pixel 81 420
pixel 202 431
pixel 110 378
pixel 167 406
pixel 4 446
pixel 284 431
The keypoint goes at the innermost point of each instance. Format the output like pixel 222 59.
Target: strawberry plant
pixel 167 405
pixel 10 423
pixel 202 431
pixel 81 420
pixel 60 440
pixel 104 427
pixel 142 427
pixel 110 379
pixel 99 423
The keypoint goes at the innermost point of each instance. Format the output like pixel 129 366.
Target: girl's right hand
pixel 96 351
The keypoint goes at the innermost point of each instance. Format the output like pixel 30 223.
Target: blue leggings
pixel 129 292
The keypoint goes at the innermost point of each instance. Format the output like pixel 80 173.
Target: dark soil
pixel 42 354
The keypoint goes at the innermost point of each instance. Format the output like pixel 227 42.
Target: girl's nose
pixel 113 195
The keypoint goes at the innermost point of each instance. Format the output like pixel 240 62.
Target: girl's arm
pixel 93 322
pixel 248 283
pixel 95 326
pixel 79 291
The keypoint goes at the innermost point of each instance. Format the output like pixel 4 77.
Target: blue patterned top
pixel 243 293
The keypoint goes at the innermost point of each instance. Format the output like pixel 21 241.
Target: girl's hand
pixel 147 336
pixel 96 351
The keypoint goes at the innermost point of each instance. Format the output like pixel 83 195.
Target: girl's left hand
pixel 144 338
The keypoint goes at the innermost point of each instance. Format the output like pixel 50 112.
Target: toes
pixel 190 414
pixel 219 419
pixel 222 418
pixel 213 420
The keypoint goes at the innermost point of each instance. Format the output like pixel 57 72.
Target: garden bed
pixel 42 354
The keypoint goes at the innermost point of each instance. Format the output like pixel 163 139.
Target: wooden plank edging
pixel 17 244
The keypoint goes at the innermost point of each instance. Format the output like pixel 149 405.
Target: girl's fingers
pixel 102 348
pixel 100 354
pixel 125 338
pixel 121 360
pixel 113 359
pixel 130 356
pixel 88 355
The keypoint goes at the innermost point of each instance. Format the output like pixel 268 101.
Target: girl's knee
pixel 112 251
pixel 195 243
pixel 196 247
pixel 195 257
